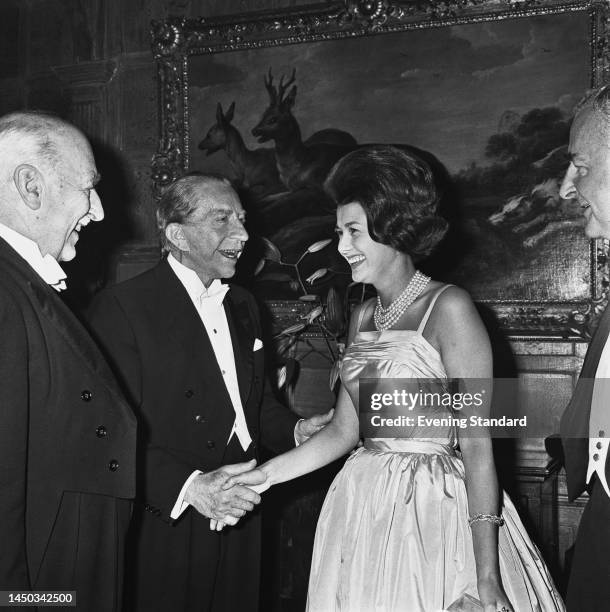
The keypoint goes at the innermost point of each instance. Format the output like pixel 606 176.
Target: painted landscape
pixel 489 104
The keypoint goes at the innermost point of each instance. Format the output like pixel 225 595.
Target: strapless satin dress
pixel 393 533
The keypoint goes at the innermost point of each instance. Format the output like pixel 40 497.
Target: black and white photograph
pixel 304 305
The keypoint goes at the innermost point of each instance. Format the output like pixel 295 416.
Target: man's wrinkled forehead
pixel 590 128
pixel 74 152
pixel 218 196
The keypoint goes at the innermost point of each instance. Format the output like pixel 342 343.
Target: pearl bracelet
pixel 490 518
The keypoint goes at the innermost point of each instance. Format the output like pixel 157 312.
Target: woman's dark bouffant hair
pixel 398 194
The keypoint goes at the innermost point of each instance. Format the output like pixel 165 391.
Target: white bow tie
pixel 52 273
pixel 213 297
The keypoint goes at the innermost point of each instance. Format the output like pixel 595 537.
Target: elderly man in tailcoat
pixel 67 435
pixel 585 425
pixel 188 348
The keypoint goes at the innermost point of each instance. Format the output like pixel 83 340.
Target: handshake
pixel 226 494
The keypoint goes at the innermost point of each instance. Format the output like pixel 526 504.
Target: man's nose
pixel 95 206
pixel 567 190
pixel 239 231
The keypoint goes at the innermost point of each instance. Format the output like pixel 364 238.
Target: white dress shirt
pixel 208 303
pixel 46 267
pixel 599 420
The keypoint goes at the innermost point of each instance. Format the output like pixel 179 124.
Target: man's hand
pixel 207 495
pixel 308 427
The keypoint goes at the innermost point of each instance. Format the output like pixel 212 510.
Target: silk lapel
pixel 60 316
pixel 589 367
pixel 184 326
pixel 576 419
pixel 574 426
pixel 242 338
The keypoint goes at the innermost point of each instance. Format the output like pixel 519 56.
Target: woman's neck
pixel 394 282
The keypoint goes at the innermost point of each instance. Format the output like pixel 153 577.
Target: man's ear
pixel 29 183
pixel 175 234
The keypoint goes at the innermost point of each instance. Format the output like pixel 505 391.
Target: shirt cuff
pixel 296 442
pixel 180 506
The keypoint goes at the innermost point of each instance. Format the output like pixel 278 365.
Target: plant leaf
pixel 309 297
pixel 293 329
pixel 292 370
pixel 271 251
pixel 259 266
pixel 334 374
pixel 312 315
pixel 284 344
pixel 281 377
pixel 335 320
pixel 318 246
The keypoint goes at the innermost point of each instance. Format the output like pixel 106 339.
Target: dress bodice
pixel 403 354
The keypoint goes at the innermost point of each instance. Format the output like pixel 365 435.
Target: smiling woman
pixel 427 525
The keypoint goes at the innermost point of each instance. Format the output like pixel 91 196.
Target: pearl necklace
pixel 385 318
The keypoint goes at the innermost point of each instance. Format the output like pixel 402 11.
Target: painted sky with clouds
pixel 443 90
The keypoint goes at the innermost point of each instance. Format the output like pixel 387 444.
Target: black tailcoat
pixel 154 336
pixel 67 448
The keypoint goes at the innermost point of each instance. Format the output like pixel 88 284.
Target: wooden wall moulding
pixel 86 85
pixel 486 87
pixel 86 75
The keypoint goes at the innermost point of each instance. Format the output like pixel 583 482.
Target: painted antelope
pixel 255 168
pixel 300 164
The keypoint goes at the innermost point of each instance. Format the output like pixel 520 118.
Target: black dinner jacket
pixel 575 420
pixel 67 448
pixel 154 337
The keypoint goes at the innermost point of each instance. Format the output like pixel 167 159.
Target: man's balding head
pixel 47 181
pixel 31 136
pixel 587 178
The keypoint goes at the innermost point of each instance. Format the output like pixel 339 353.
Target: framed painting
pixel 484 90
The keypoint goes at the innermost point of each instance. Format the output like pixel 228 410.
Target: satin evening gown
pixel 393 532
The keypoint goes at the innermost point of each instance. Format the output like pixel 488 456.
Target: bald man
pixel 585 425
pixel 67 436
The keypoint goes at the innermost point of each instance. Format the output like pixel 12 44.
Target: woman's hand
pixel 493 597
pixel 259 487
pixel 218 525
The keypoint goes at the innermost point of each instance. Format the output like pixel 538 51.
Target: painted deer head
pixel 217 136
pixel 277 120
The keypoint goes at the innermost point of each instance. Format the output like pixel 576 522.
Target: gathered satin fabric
pixel 393 533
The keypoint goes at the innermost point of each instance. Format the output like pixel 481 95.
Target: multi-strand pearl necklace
pixel 385 318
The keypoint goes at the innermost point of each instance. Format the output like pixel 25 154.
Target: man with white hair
pixel 189 351
pixel 67 436
pixel 585 425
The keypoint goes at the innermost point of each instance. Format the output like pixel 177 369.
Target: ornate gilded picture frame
pixel 485 88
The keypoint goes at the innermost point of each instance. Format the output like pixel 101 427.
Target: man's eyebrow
pixel 576 156
pixel 226 211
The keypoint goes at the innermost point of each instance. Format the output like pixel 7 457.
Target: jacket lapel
pixel 242 338
pixel 575 420
pixel 60 316
pixel 190 338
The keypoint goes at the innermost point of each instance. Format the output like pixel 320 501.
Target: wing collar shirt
pixel 208 303
pixel 599 420
pixel 46 267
